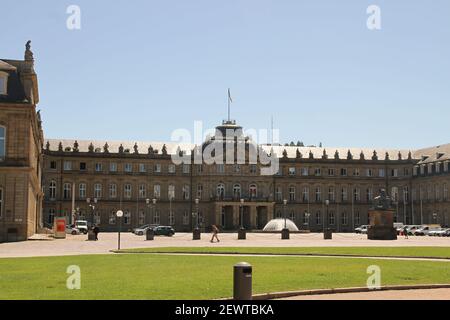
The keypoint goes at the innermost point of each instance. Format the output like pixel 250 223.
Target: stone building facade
pixel 323 187
pixel 21 144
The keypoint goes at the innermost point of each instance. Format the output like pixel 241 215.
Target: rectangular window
pixel 82 190
pixel 186 168
pixel 2 142
pixel 98 167
pixel 112 217
pixel 67 165
pixel 331 218
pixel 292 171
pixel 305 172
pixel 83 166
pixel 112 191
pixel 331 172
pixel 199 168
pixel 3 84
pixel 157 191
pixel 369 172
pixel 381 173
pixel 343 172
pixel 199 191
pixel 253 168
pixel 318 217
pixel 142 191
pixel 318 172
pixel 141 217
pixel 156 217
pixel 128 167
pixel 220 168
pixel 356 172
pixel 53 165
pixel 113 167
pixel 97 190
pixel 127 191
pixel 171 168
pixel 142 168
pixel 157 168
pixel 185 218
pixel 394 173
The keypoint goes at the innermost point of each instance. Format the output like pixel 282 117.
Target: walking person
pixel 96 231
pixel 405 232
pixel 215 231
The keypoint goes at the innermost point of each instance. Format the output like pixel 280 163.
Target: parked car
pixel 413 228
pixel 446 233
pixel 364 229
pixel 440 233
pixel 164 231
pixel 359 229
pixel 143 229
pixel 72 230
pixel 82 225
pixel 424 231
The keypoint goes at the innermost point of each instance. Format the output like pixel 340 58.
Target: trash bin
pixel 150 234
pixel 285 234
pixel 328 234
pixel 242 281
pixel 196 234
pixel 242 234
pixel 91 235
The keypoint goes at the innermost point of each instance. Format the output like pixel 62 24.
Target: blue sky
pixel 139 69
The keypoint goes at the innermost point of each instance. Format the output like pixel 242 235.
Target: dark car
pixel 164 231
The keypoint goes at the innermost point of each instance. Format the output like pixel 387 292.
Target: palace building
pixel 315 187
pixel 21 144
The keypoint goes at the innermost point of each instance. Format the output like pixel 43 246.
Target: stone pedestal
pixel 196 234
pixel 285 234
pixel 381 225
pixel 328 234
pixel 242 234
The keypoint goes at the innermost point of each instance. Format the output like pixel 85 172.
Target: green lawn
pixel 145 276
pixel 437 252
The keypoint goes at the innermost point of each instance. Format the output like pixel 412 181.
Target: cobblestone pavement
pixel 76 245
pixel 425 294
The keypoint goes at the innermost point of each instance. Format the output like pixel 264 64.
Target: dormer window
pixel 3 83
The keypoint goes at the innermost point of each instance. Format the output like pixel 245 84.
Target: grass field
pixel 437 252
pixel 144 276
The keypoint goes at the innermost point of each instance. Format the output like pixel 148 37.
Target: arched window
pixel 253 191
pixel 171 218
pixel 221 191
pixel 67 188
pixel 237 191
pixel 82 190
pixel 2 143
pixel 97 190
pixel 318 194
pixel 52 190
pixel 292 193
pixel 171 192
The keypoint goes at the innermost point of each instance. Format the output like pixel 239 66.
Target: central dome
pixel 278 225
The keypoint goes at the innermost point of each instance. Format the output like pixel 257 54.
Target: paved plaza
pixel 76 245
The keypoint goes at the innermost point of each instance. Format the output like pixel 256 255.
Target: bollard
pixel 196 234
pixel 242 281
pixel 328 234
pixel 285 234
pixel 150 234
pixel 242 234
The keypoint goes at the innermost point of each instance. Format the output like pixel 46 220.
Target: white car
pixel 437 232
pixel 364 229
pixel 82 225
pixel 72 230
pixel 360 228
pixel 424 231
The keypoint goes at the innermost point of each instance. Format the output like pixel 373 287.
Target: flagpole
pixel 229 95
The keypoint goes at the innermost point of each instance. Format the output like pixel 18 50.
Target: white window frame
pixel 4 86
pixel 3 138
pixel 82 190
pixel 113 191
pixel 127 190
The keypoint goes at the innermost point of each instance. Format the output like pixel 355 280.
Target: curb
pixel 287 294
pixel 283 254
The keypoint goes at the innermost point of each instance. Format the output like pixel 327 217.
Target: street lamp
pixel 91 235
pixel 285 231
pixel 326 233
pixel 91 205
pixel 196 235
pixel 119 215
pixel 150 233
pixel 242 234
pixel 435 217
pixel 307 215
